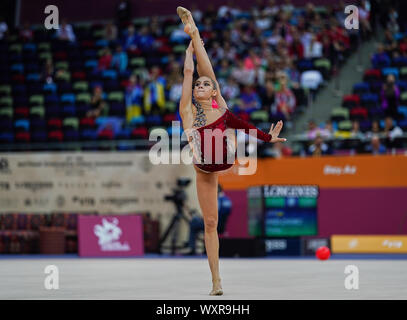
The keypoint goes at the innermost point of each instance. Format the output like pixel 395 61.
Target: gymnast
pixel 203 108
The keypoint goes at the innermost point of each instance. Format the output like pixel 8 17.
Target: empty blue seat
pixel 102 43
pixel 71 135
pixel 17 67
pixel 400 61
pixel 69 110
pixel 7 137
pixel 109 74
pixel 33 77
pixel 123 133
pixel 88 135
pixel 51 99
pixel 362 87
pixel 50 87
pixel 68 97
pixel 403 111
pixel 30 47
pixel 402 84
pixel 154 120
pixel 138 120
pixel 22 124
pixel 91 63
pixel 387 71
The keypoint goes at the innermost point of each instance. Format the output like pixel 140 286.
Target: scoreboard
pixel 283 210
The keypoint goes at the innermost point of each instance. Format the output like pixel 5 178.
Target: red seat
pixel 55 123
pixel 140 133
pixel 60 55
pixel 87 122
pixel 56 136
pixel 23 137
pixel 79 75
pixel 106 134
pixel 351 100
pixel 22 112
pixel 359 113
pixel 372 74
pixel 18 78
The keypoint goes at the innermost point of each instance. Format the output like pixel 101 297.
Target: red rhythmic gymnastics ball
pixel 323 253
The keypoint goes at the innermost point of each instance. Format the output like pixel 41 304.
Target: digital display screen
pixel 283 211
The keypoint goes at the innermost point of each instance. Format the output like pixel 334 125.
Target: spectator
pixel 391 132
pixel 105 60
pixel 242 75
pixel 230 91
pixel 268 97
pixel 250 101
pixel 355 132
pixel 197 223
pixel 26 34
pixel 375 130
pixel 154 95
pixel 176 89
pixel 252 61
pixel 272 9
pixel 111 32
pixel 375 146
pixel 279 150
pixel 119 60
pixel 380 58
pixel 65 32
pixel 285 99
pixel 216 53
pixel 319 147
pixel 224 72
pixel 48 72
pixel 98 105
pixel 313 49
pixel 134 98
pixel 296 48
pixel 390 97
pixel 3 29
pixel 145 40
pixel 130 39
pixel 288 7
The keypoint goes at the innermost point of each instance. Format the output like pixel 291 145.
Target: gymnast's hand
pixel 276 131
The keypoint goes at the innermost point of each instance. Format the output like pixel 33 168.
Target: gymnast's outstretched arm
pixel 185 104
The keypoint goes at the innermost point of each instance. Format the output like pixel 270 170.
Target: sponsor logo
pixel 109 234
pixel 314 244
pixel 276 245
pixel 4 166
pixel 119 202
pixel 332 170
pixel 34 186
pixel 84 201
pixel 290 191
pixel 392 244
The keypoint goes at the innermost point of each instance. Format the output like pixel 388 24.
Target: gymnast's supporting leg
pixel 207 189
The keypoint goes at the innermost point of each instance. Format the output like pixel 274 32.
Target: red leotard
pixel 227 120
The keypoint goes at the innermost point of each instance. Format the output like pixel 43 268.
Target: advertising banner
pixel 369 244
pixel 120 235
pixel 86 182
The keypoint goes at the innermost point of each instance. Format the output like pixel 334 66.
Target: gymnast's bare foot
pixel 187 19
pixel 216 288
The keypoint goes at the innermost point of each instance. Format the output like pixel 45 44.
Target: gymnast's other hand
pixel 274 132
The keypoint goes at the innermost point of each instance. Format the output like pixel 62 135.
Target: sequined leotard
pixel 227 120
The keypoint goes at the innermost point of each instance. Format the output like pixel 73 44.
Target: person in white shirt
pixel 65 32
pixel 313 49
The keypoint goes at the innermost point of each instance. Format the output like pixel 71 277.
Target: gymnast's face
pixel 204 89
